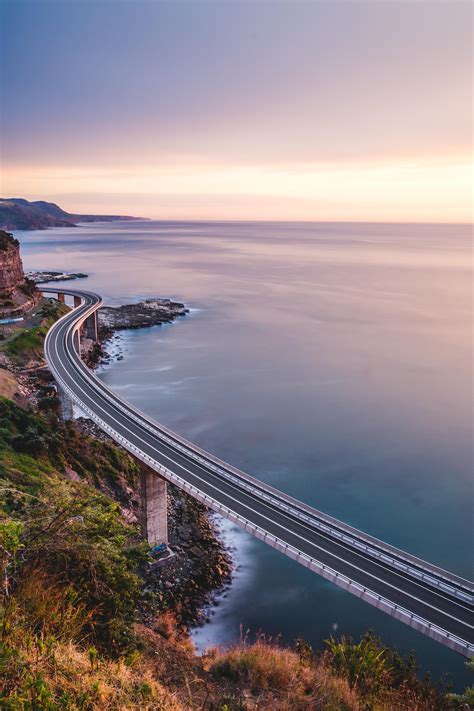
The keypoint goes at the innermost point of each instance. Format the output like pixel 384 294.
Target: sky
pixel 246 109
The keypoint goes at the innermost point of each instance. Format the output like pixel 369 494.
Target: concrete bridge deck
pixel 424 596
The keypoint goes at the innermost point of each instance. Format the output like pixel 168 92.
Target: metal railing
pixel 401 613
pixel 347 534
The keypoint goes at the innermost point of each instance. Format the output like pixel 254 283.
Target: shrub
pixel 28 287
pixel 380 672
pixel 51 403
pixel 79 539
pixel 42 674
pixel 30 442
pixel 279 677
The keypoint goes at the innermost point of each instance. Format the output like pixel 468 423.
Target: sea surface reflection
pixel 331 360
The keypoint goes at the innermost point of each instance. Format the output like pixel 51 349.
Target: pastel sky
pixel 247 109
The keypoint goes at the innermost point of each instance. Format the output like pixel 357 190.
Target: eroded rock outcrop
pixel 150 312
pixel 11 267
pixel 17 294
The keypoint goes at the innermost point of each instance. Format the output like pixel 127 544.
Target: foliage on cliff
pixel 70 535
pixel 345 675
pixel 71 591
pixel 7 240
pixel 27 343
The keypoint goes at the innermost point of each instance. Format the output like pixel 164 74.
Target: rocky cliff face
pixel 11 267
pixel 17 295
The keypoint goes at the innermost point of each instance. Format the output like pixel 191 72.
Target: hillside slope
pixel 82 628
pixel 21 214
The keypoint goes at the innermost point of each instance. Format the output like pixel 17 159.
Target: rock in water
pixel 150 312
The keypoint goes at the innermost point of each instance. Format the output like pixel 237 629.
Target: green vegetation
pixel 280 679
pixel 380 672
pixel 345 675
pixel 69 533
pixel 69 562
pixel 27 343
pixel 34 445
pixel 7 240
pixel 72 599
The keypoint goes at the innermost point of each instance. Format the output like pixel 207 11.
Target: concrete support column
pixel 66 405
pixel 91 327
pixel 61 297
pixel 155 507
pixel 77 301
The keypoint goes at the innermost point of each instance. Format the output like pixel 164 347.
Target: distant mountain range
pixel 20 214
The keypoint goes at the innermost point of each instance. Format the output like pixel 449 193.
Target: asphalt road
pixel 418 593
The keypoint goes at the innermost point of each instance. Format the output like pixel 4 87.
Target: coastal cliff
pixel 17 294
pixel 21 214
pixel 84 627
pixel 90 623
pixel 11 267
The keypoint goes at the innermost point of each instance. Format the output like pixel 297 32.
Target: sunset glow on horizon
pixel 204 110
pixel 423 191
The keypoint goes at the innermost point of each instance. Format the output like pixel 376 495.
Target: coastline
pixel 206 628
pixel 189 395
pixel 200 576
pixel 216 634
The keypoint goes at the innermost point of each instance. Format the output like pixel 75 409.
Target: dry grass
pixel 51 608
pixel 278 679
pixel 8 384
pixel 165 625
pixel 52 674
pixel 111 684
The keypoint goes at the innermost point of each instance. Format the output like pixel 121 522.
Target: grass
pixel 70 591
pixel 8 384
pixel 46 673
pixel 345 675
pixel 34 446
pixel 280 679
pixel 27 343
pixel 69 530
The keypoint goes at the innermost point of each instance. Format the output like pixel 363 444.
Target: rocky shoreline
pixel 202 567
pixel 41 277
pixel 112 319
pixel 150 312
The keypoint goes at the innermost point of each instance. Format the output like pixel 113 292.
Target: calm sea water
pixel 331 360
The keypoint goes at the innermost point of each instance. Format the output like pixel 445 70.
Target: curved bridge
pixel 422 595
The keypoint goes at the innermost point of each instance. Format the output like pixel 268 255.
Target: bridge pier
pixel 90 327
pixel 154 506
pixel 67 412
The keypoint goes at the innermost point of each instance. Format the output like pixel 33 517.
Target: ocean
pixel 332 360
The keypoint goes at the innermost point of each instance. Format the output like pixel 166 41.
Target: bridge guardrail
pixel 456 643
pixel 362 541
pixel 189 450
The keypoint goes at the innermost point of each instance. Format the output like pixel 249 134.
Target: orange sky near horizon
pixel 202 110
pixel 436 190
